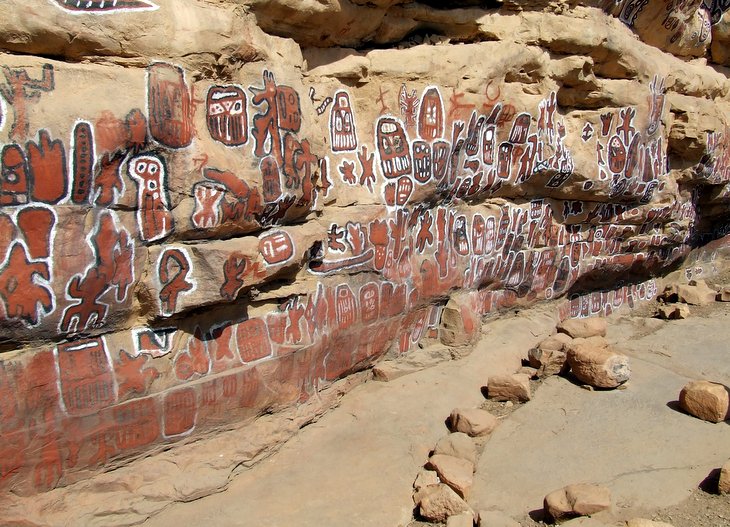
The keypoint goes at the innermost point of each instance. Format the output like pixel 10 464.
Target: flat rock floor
pixel 356 465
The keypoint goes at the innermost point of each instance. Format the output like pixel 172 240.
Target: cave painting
pixel 19 90
pixel 343 129
pixel 170 105
pixel 103 6
pixel 174 271
pixel 227 115
pixel 27 267
pixel 112 269
pixel 154 218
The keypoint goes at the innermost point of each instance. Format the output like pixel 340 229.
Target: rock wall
pixel 210 210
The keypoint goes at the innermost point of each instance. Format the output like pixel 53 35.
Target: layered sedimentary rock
pixel 212 210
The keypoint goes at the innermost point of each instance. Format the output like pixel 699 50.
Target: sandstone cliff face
pixel 210 210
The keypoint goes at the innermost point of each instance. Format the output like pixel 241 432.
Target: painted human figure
pixel 154 218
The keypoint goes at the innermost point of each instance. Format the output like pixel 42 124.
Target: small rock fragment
pixel 673 311
pixel 577 500
pixel 458 445
pixel 426 478
pixel 496 519
pixel 597 366
pixel 514 388
pixel 723 486
pixel 547 361
pixel 723 295
pixel 465 519
pixel 583 327
pixel 641 522
pixel 437 502
pixel 457 473
pixel 697 293
pixel 474 422
pixel 704 399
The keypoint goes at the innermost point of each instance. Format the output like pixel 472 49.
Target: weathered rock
pixel 723 295
pixel 474 422
pixel 642 522
pixel 465 519
pixel 457 444
pixel 426 478
pixel 438 502
pixel 697 293
pixel 459 323
pixel 673 311
pixel 577 500
pixel 456 472
pixel 706 400
pixel 210 210
pixel 495 519
pixel 515 388
pixel 598 366
pixel 549 357
pixel 583 327
pixel 723 484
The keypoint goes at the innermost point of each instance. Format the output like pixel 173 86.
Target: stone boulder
pixel 474 422
pixel 596 365
pixel 457 473
pixel 457 444
pixel 515 388
pixel 549 357
pixel 723 485
pixel 583 327
pixel 723 295
pixel 696 293
pixel 673 311
pixel 437 503
pixel 706 400
pixel 577 500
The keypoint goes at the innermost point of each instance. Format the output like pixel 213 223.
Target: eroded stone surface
pixel 212 211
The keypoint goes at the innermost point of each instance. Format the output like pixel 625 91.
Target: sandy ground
pixel 355 466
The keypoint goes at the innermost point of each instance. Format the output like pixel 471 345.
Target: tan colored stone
pixel 456 472
pixel 457 444
pixel 496 519
pixel 673 311
pixel 723 485
pixel 697 293
pixel 583 327
pixel 555 342
pixel 577 500
pixel 549 356
pixel 515 388
pixel 426 478
pixel 465 519
pixel 723 295
pixel 531 372
pixel 474 422
pixel 598 366
pixel 704 399
pixel 642 522
pixel 438 502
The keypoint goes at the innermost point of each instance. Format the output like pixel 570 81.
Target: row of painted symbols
pixel 473 160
